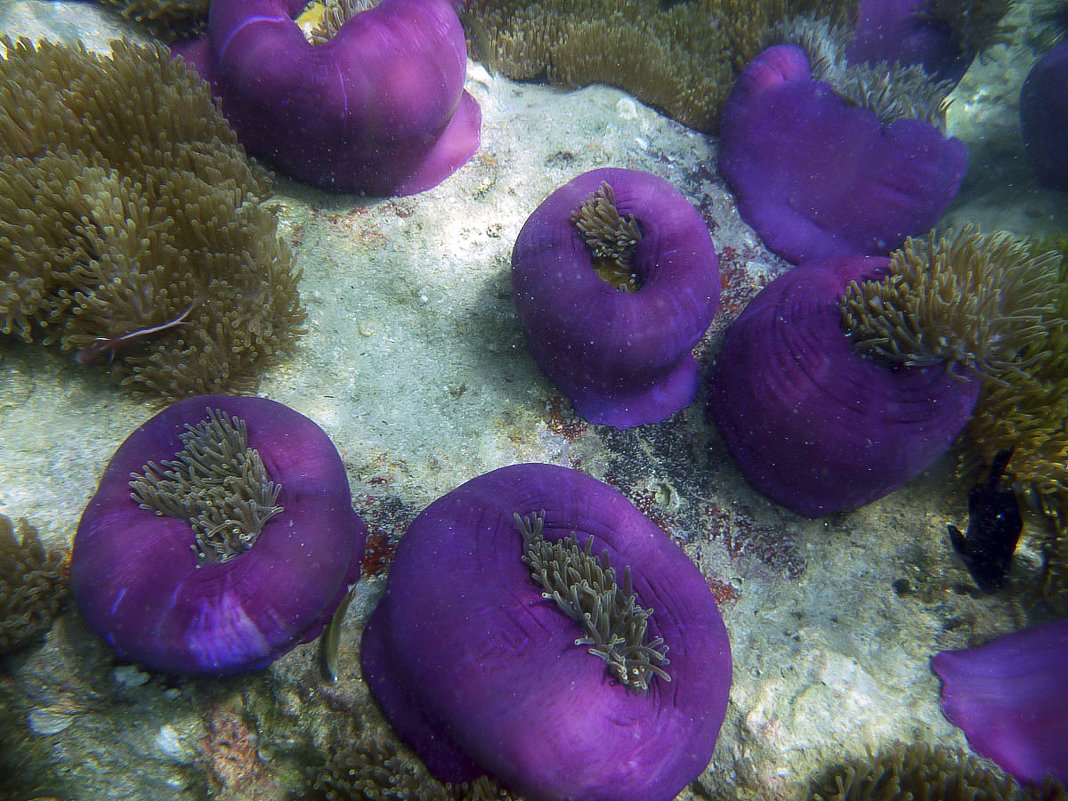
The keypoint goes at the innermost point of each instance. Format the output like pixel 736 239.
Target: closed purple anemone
pixel 622 357
pixel 221 535
pixel 813 425
pixel 379 108
pixel 1011 699
pixel 481 673
pixel 1044 116
pixel 907 32
pixel 817 176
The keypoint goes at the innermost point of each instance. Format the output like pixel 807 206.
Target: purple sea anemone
pixel 1011 699
pixel 221 535
pixel 482 659
pixel 909 32
pixel 378 109
pixel 813 425
pixel 818 175
pixel 615 280
pixel 1044 116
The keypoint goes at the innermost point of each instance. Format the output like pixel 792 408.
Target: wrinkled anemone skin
pixel 622 358
pixel 904 31
pixel 812 425
pixel 816 177
pixel 479 673
pixel 380 109
pixel 134 574
pixel 1010 698
pixel 1044 116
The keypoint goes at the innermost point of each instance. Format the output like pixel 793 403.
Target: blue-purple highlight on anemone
pixel 378 109
pixel 140 585
pixel 480 673
pixel 624 359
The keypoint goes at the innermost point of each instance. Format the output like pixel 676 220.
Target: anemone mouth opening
pixel 216 483
pixel 611 238
pixel 322 19
pixel 585 589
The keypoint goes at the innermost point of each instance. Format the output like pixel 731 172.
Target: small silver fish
pixel 328 642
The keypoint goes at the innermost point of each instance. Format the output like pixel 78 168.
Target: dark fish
pixel 994 525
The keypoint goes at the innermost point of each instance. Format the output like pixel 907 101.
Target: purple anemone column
pixel 819 177
pixel 1044 117
pixel 480 673
pixel 379 109
pixel 139 584
pixel 1010 697
pixel 624 359
pixel 905 31
pixel 813 425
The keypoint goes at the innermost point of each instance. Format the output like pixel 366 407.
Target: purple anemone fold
pixel 813 425
pixel 907 32
pixel 379 108
pixel 1044 116
pixel 1011 699
pixel 136 572
pixel 481 673
pixel 622 357
pixel 817 176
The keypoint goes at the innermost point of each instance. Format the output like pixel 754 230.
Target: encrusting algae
pixel 134 231
pixel 32 586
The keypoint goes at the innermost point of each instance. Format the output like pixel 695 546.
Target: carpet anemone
pixel 921 772
pixel 32 585
pixel 973 300
pixel 680 57
pixel 133 229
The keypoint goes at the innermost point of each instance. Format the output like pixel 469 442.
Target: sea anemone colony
pixel 615 280
pixel 133 229
pixel 998 306
pixel 32 586
pixel 921 772
pixel 374 103
pixel 680 57
pixel 828 158
pixel 221 535
pixel 538 628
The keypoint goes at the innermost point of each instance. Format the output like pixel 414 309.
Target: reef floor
pixel 415 364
